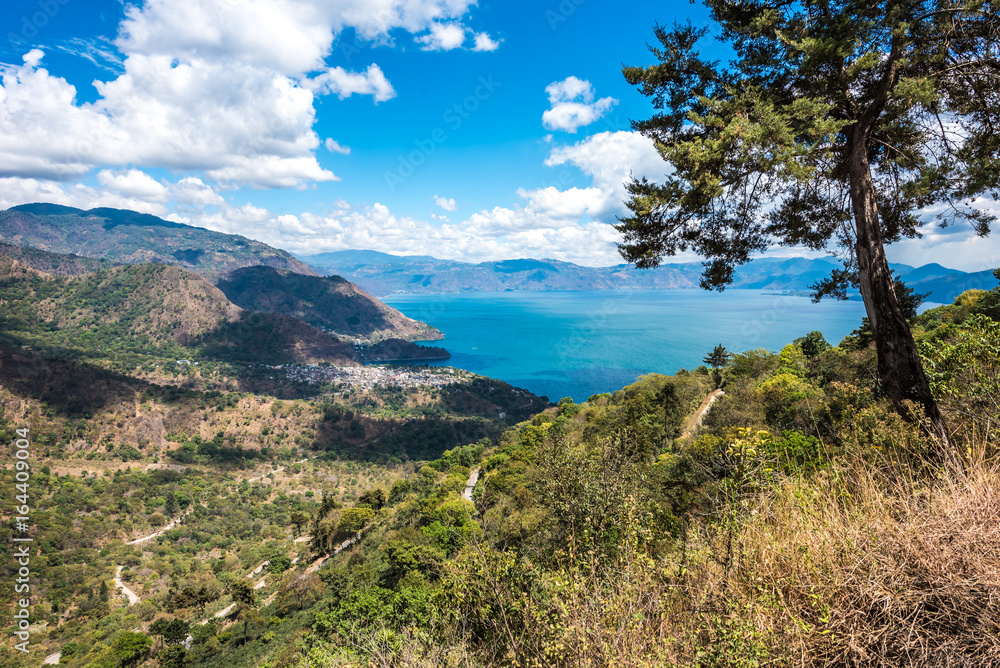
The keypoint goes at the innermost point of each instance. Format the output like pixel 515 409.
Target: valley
pixel 458 334
pixel 219 478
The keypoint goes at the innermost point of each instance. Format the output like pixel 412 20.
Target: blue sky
pixel 443 127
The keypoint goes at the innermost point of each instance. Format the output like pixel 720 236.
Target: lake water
pixel 582 343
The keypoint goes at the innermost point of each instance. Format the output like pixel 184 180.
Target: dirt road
pixel 695 420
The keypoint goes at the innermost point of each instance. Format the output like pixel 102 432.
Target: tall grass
pixel 885 559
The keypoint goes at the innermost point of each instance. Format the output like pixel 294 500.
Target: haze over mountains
pixel 383 274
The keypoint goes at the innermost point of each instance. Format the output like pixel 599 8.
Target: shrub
pixel 964 371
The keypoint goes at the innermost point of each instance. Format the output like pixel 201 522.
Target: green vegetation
pixel 784 532
pixel 136 437
pixel 219 515
pixel 802 523
pixel 53 263
pixel 825 127
pixel 135 314
pixel 253 275
pixel 717 359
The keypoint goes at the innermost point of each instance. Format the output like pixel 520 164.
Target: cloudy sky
pixel 452 128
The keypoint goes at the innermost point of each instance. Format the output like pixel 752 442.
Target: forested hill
pixel 383 274
pixel 392 526
pixel 329 303
pixel 128 237
pixel 133 313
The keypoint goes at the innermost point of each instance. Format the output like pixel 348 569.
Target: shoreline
pixel 409 361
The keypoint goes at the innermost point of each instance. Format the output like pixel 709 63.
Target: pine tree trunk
pixel 899 366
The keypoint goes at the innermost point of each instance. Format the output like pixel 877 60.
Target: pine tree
pixel 718 358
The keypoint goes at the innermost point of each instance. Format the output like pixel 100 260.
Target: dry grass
pixel 386 649
pixel 870 567
pixel 864 565
pixel 861 566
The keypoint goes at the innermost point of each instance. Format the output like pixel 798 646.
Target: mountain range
pixel 252 276
pixel 333 292
pixel 383 274
pixel 128 237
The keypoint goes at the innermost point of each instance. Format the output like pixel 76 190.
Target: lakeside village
pixel 367 377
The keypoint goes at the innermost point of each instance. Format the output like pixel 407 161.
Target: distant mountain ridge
pixel 104 237
pixel 129 237
pixel 382 275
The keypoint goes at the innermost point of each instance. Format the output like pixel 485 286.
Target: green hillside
pixel 128 456
pixel 135 314
pixel 798 521
pixel 253 275
pixel 60 264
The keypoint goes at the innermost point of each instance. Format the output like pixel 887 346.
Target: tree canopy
pixel 833 126
pixel 914 81
pixel 130 647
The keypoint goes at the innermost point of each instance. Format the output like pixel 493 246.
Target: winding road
pixel 258 569
pixel 471 485
pixel 54 658
pixel 133 598
pixel 159 532
pixel 314 566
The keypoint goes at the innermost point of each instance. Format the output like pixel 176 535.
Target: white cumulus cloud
pixel 271 172
pixel 192 190
pixel 611 159
pixel 446 203
pixel 15 191
pixel 343 84
pixel 565 205
pixel 334 146
pixel 133 183
pixel 442 37
pixel 485 43
pixel 160 113
pixel 226 88
pixel 573 105
pixel 290 36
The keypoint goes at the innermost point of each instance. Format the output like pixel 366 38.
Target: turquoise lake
pixel 581 343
